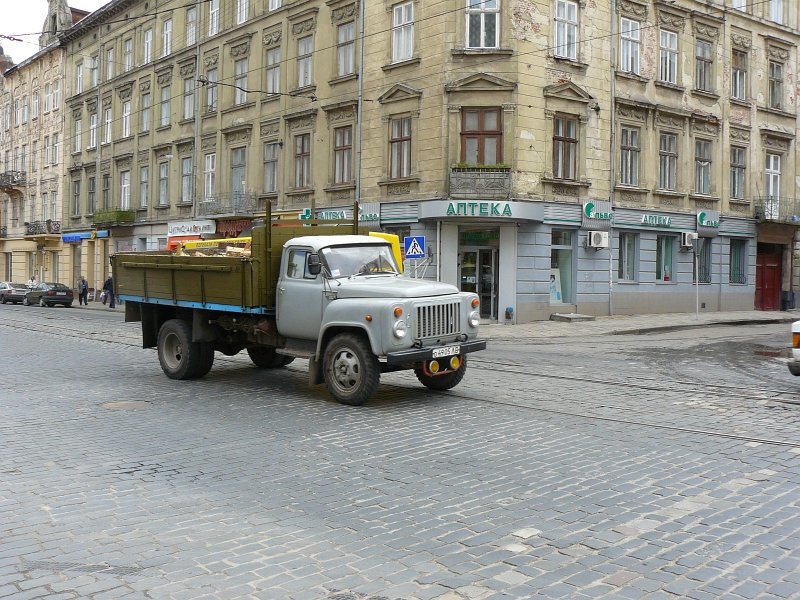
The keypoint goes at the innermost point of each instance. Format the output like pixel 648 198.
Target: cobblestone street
pixel 605 467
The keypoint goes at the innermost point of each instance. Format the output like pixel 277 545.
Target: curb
pixel 663 328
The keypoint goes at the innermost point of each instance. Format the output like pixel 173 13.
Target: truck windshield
pixel 346 261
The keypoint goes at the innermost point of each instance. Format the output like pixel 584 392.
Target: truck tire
pixel 266 357
pixel 445 381
pixel 351 370
pixel 181 358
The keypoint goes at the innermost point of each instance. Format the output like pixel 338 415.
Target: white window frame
pixel 273 71
pixel 92 131
pixel 191 26
pixel 346 49
pixel 566 30
pixel 144 186
pixel 702 166
pixel 163 184
pixel 402 31
pixel 210 175
pixel 188 97
pixel 271 153
pixel 126 118
pixel 242 11
pixel 213 17
pixel 165 108
pixel 212 91
pixel 56 94
pixel 305 64
pixel 630 45
pixel 773 174
pixel 187 180
pixel 78 134
pixel 776 11
pixel 125 190
pixel 107 120
pixel 668 57
pixel 166 38
pixel 78 79
pixel 240 68
pixel 479 15
pixel 146 104
pixel 275 4
pixel 147 46
pixel 127 54
pixel 739 75
pixel 109 63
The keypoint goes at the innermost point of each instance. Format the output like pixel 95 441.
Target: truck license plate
pixel 446 351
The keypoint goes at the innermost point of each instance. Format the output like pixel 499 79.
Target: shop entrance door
pixel 479 275
pixel 768 281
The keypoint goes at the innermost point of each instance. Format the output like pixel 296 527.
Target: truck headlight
pixel 474 318
pixel 399 330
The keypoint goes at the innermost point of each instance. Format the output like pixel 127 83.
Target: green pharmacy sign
pixel 705 219
pixel 657 220
pixel 479 209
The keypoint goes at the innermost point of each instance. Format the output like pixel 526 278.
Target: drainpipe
pixel 198 121
pixel 612 162
pixel 360 108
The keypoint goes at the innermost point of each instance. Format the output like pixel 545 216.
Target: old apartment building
pixel 557 156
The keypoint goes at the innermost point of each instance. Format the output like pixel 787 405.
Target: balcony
pixel 480 183
pixel 114 217
pixel 35 230
pixel 777 209
pixel 13 183
pixel 237 204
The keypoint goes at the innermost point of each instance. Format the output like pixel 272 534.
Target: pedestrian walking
pixel 32 281
pixel 108 290
pixel 83 291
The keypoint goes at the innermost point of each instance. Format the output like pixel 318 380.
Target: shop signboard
pixel 597 215
pixel 367 213
pixel 481 210
pixel 708 222
pixel 76 237
pixel 197 227
pixel 656 220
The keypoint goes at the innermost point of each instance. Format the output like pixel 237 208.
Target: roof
pixel 323 241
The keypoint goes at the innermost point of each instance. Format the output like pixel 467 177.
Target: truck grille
pixel 437 320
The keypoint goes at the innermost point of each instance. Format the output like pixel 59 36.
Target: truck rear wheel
pixel 180 357
pixel 351 370
pixel 445 381
pixel 266 357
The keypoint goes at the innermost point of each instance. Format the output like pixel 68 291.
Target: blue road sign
pixel 414 246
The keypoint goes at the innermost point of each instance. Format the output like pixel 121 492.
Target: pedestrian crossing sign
pixel 414 246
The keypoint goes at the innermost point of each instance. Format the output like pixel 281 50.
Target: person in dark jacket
pixel 108 288
pixel 83 291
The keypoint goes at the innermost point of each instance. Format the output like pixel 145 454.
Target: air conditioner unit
pixel 688 238
pixel 597 239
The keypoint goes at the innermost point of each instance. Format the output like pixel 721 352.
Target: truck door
pixel 299 297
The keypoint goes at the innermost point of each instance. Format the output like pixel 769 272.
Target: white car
pixel 794 352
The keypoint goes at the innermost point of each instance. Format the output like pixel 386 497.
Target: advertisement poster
pixel 555 285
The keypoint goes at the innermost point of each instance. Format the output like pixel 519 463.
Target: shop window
pixel 561 267
pixel 626 265
pixel 665 255
pixel 702 263
pixel 738 261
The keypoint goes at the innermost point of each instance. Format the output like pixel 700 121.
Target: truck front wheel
pixel 351 370
pixel 445 381
pixel 180 357
pixel 266 357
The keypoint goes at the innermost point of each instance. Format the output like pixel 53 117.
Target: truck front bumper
pixel 421 354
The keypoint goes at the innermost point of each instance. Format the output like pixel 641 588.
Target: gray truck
pixel 323 293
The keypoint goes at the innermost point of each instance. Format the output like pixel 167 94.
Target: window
pixel 302 160
pixel 275 4
pixel 126 118
pixel 56 94
pixel 238 176
pixel 629 46
pixel 211 90
pixel 213 17
pixel 92 131
pixel 45 206
pixel 668 57
pixel 46 153
pixel 25 109
pixel 626 265
pixel 34 155
pixel 343 155
pixel 48 103
pixel 737 261
pixel 402 31
pixel 565 147
pixel 110 64
pixel 23 158
pixel 163 184
pixel 702 167
pixel 187 180
pixel 297 265
pixel 76 198
pixel 483 23
pixel 77 134
pixel 188 98
pixel 94 71
pixel 773 173
pixel 305 49
pixel 242 11
pixel 35 105
pixel 561 266
pixel 127 54
pixel 91 197
pixel 271 167
pixel 703 66
pixel 739 75
pixel 481 136
pixel 240 81
pixel 166 38
pixel 776 11
pixel 703 261
pixel 124 190
pixel 566 42
pixel 667 161
pixel 629 161
pixel 346 49
pixel 148 45
pixel 400 147
pixel 738 166
pixel 191 26
pixel 78 83
pixel 274 71
pixel 665 248
pixel 107 125
pixel 775 85
pixel 145 113
pixel 165 117
pixel 144 181
pixel 210 175
pixel 56 149
pixel 739 5
pixel 106 191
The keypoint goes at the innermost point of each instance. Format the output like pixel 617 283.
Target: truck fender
pixel 330 330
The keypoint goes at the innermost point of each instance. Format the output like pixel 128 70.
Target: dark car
pixel 49 294
pixel 12 292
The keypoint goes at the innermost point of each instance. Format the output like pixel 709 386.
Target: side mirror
pixel 314 264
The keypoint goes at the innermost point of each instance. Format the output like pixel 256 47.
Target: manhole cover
pixel 125 405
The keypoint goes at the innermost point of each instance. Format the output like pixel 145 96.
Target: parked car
pixel 12 292
pixel 49 294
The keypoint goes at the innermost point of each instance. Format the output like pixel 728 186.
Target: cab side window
pixel 297 265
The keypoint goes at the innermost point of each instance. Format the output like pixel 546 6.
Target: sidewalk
pixel 634 324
